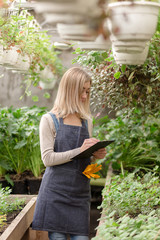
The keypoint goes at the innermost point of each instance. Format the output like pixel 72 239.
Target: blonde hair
pixel 69 93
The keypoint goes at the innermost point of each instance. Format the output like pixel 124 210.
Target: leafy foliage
pixel 19 144
pixel 3 220
pixel 131 208
pixel 132 195
pixel 6 204
pixel 137 139
pixel 141 227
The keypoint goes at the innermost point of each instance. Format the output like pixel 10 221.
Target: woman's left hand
pixel 100 154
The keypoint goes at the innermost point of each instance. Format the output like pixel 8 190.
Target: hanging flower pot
pixel 131 58
pixel 47 85
pixel 48 79
pixel 10 56
pixel 85 16
pixel 75 32
pixel 54 18
pixel 133 20
pixel 132 25
pixel 1 54
pixel 99 44
pixel 23 63
pixel 81 7
pixel 46 73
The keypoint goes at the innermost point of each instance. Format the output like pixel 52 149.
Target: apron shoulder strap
pixel 56 123
pixel 86 123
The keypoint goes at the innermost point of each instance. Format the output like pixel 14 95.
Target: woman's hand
pixel 88 143
pixel 100 154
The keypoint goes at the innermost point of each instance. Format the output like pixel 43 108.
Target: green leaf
pixel 117 75
pixel 131 76
pixel 104 54
pixel 46 95
pixel 28 93
pixel 20 144
pixel 7 177
pixel 35 98
pixel 123 68
pixel 149 89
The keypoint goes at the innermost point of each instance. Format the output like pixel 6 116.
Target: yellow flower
pixel 91 169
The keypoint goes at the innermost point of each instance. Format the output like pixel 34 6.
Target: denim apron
pixel 63 203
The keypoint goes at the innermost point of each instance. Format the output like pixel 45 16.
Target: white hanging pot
pixel 99 44
pixel 23 63
pixel 133 20
pixel 48 79
pixel 47 85
pixel 128 46
pixel 1 54
pixel 76 32
pixel 10 56
pixel 54 18
pixel 131 58
pixel 46 73
pixel 82 7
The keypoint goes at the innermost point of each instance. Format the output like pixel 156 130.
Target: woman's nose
pixel 84 95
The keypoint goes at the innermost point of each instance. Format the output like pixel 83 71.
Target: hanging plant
pixel 34 51
pixel 123 86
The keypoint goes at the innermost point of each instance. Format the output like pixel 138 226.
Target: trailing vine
pixel 124 86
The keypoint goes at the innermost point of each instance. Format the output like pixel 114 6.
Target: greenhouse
pixel 79 120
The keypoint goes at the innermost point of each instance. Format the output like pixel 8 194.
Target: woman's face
pixel 86 91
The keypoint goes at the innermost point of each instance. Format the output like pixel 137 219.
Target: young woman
pixel 63 203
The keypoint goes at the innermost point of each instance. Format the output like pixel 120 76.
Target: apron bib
pixel 63 203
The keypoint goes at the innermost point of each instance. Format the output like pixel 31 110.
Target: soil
pixel 25 183
pixel 10 218
pixel 22 176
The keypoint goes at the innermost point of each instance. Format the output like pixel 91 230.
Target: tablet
pixel 89 151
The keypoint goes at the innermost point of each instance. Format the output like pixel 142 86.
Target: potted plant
pixel 19 146
pixel 22 35
pixel 120 86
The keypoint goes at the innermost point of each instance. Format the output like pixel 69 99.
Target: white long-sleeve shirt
pixel 47 139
